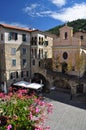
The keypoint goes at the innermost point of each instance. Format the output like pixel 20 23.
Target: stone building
pixel 21 52
pixel 41 48
pixel 69 52
pixel 14 54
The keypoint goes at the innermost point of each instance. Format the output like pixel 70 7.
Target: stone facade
pixel 68 53
pixel 21 51
pixel 41 48
pixel 14 54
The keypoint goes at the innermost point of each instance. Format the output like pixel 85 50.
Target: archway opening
pixel 39 78
pixel 64 67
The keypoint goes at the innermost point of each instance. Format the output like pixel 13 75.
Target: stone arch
pixel 39 78
pixel 62 83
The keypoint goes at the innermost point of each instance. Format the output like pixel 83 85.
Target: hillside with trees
pixel 77 25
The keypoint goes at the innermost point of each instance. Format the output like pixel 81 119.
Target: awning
pixel 35 86
pixel 28 85
pixel 21 83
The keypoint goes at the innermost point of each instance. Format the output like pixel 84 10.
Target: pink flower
pixel 38 128
pixel 50 107
pixel 22 91
pixel 37 110
pixel 9 127
pixel 42 103
pixel 2 95
pixel 10 94
pixel 19 95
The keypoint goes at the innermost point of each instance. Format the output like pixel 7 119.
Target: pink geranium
pixel 9 127
pixel 2 95
pixel 23 111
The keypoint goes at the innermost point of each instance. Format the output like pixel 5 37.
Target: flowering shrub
pixel 20 111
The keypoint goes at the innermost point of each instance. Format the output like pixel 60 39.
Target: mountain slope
pixel 79 24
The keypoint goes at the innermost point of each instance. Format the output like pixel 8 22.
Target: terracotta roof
pixel 16 28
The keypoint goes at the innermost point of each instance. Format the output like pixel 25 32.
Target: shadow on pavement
pixel 77 101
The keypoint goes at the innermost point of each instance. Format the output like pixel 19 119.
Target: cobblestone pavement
pixel 67 114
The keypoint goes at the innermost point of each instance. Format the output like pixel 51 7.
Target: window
pixel 39 40
pixel 13 36
pixel 35 41
pixel 21 73
pixel 13 51
pixel 45 36
pixel 16 74
pixel 65 55
pixel 14 62
pixel 32 41
pixel 42 39
pixel 65 35
pixel 24 51
pixel 2 37
pixel 11 76
pixel 33 62
pixel 32 38
pixel 35 53
pixel 46 43
pixel 81 37
pixel 39 53
pixel 39 63
pixel 45 55
pixel 27 73
pixel 24 37
pixel 24 62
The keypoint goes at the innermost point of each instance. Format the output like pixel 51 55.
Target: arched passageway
pixel 39 78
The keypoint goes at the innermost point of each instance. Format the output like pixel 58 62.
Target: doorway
pixel 64 67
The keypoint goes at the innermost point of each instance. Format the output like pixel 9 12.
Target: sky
pixel 41 14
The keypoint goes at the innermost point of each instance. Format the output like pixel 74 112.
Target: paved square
pixel 67 114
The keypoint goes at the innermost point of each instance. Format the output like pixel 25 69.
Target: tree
pixel 56 62
pixel 80 62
